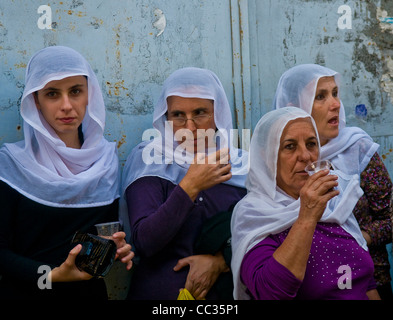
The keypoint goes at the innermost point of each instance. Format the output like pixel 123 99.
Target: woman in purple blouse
pixel 316 90
pixel 295 236
pixel 172 188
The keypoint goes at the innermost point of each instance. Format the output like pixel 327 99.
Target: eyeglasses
pixel 199 120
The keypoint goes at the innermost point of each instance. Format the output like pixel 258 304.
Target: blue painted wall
pixel 248 43
pixel 122 42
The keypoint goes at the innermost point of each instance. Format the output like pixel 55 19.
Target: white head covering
pixel 186 83
pixel 266 209
pixel 297 88
pixel 41 167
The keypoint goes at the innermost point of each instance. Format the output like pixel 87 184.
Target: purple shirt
pixel 332 247
pixel 165 224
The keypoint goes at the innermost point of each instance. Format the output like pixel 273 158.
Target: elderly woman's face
pixel 298 147
pixel 326 109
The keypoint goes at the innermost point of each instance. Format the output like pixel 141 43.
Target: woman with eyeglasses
pixel 172 202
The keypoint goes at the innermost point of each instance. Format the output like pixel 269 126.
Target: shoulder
pixel 148 185
pixel 6 190
pixel 375 165
pixel 151 180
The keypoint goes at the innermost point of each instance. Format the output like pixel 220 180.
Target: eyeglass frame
pixel 192 119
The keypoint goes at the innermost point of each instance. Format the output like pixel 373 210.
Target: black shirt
pixel 32 235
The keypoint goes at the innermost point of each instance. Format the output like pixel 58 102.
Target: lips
pixel 67 119
pixel 333 120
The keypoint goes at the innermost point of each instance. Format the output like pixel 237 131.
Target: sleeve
pixel 372 284
pixel 264 277
pixel 377 187
pixel 12 264
pixel 155 217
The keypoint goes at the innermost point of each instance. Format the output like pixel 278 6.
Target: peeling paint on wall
pixel 160 22
pixel 372 53
pixel 134 46
pixel 386 23
pixel 386 27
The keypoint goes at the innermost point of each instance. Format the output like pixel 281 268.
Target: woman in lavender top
pixel 295 236
pixel 172 194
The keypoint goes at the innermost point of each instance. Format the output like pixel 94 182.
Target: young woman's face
pixel 298 147
pixel 63 105
pixel 326 109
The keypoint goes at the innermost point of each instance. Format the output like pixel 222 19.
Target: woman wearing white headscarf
pixel 315 89
pixel 170 198
pixel 62 178
pixel 292 233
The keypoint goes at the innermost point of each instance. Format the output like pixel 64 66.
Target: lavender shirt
pixel 165 224
pixel 332 247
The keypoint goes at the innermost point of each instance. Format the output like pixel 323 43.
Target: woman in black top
pixel 62 178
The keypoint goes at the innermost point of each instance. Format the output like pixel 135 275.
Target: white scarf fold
pixel 41 167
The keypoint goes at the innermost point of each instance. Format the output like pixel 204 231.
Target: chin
pixel 333 135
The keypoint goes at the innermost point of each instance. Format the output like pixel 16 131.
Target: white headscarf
pixel 41 167
pixel 186 83
pixel 266 209
pixel 353 148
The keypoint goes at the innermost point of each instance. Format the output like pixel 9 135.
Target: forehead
pixel 298 128
pixel 326 82
pixel 67 82
pixel 188 104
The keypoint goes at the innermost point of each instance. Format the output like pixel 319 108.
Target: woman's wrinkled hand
pixel 315 194
pixel 203 273
pixel 206 172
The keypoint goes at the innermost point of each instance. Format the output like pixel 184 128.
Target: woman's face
pixel 298 147
pixel 326 109
pixel 201 110
pixel 63 105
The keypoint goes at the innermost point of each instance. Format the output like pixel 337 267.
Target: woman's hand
pixel 68 271
pixel 315 194
pixel 206 172
pixel 203 273
pixel 373 294
pixel 123 252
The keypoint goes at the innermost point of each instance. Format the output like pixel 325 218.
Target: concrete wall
pixel 128 47
pixel 133 45
pixel 294 32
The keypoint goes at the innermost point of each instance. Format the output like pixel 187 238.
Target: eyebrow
pixel 193 111
pixel 325 90
pixel 57 89
pixel 295 140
